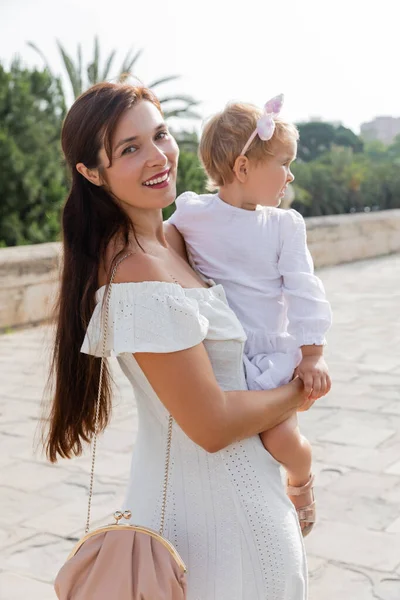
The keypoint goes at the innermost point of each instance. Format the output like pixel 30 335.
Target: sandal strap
pixel 294 490
pixel 307 514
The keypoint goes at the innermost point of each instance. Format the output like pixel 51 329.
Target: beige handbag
pixel 122 562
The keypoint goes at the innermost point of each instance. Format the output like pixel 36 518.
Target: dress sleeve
pixel 145 317
pixel 309 312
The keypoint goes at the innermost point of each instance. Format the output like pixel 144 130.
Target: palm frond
pixel 184 113
pixel 93 67
pixel 79 67
pixel 42 56
pixel 129 61
pixel 158 82
pixel 96 59
pixel 108 64
pixel 183 98
pixel 71 70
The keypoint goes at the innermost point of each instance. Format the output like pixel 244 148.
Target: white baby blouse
pixel 262 260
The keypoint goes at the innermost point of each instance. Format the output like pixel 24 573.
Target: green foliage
pixel 32 178
pixel 317 138
pixel 191 177
pixel 342 181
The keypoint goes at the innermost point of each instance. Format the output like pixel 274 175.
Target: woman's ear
pixel 91 175
pixel 241 168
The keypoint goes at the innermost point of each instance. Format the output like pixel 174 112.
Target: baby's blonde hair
pixel 225 135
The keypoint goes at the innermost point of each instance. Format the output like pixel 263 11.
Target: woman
pixel 180 346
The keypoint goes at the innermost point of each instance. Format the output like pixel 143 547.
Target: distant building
pixel 384 129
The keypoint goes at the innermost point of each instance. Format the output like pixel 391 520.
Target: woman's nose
pixel 156 156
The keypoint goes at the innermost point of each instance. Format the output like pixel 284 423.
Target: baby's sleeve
pixel 183 215
pixel 309 312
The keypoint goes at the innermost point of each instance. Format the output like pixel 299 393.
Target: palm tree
pixel 81 79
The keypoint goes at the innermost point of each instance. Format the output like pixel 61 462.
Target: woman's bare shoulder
pixel 139 267
pixel 136 266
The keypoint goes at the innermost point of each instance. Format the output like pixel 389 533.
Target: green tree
pixel 32 178
pixel 191 177
pixel 393 150
pixel 347 138
pixel 82 77
pixel 316 138
pixel 324 197
pixel 376 151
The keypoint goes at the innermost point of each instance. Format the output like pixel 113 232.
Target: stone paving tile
pixel 367 436
pixel 394 527
pixel 355 545
pixel 17 587
pixel 41 555
pixel 18 506
pixel 354 551
pixel 11 536
pixel 340 582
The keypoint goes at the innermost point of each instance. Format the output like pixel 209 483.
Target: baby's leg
pixel 285 442
pixel 293 451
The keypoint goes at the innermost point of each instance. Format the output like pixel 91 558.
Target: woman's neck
pixel 148 226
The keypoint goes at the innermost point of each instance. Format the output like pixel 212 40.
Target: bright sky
pixel 338 60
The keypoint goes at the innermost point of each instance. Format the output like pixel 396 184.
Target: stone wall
pixel 345 238
pixel 29 274
pixel 28 283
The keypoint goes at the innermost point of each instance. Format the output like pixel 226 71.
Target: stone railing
pixel 29 274
pixel 28 283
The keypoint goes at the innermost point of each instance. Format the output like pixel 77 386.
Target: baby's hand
pixel 313 371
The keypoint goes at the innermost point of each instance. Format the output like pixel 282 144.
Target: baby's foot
pixel 302 497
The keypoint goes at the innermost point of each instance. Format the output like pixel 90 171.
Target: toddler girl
pixel 239 238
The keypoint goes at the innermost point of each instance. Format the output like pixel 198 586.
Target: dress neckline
pixel 168 286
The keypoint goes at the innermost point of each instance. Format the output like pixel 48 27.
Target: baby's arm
pixel 309 312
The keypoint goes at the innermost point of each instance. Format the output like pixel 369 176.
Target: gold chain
pixel 96 422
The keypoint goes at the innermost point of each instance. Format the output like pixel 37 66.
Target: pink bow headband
pixel 266 124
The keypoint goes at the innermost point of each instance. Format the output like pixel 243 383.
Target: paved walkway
pixel 354 552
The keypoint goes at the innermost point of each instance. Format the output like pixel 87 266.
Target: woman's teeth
pixel 157 180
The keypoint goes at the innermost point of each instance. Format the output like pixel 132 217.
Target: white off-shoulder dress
pixel 227 512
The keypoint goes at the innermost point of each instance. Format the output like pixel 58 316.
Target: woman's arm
pixel 185 383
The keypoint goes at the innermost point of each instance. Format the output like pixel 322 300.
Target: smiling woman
pixel 199 472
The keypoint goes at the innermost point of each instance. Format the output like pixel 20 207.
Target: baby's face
pixel 268 180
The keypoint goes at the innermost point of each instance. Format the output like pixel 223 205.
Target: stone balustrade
pixel 29 274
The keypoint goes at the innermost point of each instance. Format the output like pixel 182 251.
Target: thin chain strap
pixel 96 422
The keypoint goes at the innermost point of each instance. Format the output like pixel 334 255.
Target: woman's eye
pixel 129 150
pixel 161 134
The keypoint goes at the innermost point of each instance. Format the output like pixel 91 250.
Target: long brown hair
pixel 91 219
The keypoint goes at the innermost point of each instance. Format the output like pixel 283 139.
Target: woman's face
pixel 144 159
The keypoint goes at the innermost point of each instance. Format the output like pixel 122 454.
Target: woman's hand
pixel 301 397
